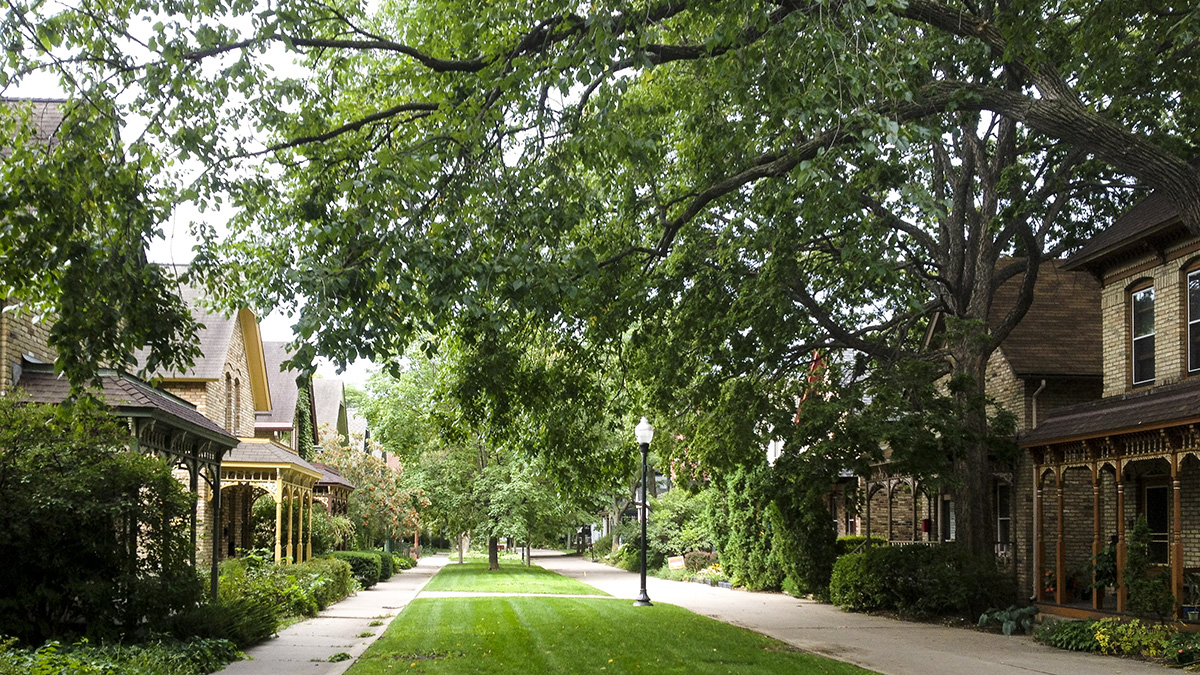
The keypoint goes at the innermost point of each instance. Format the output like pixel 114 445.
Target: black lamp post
pixel 644 433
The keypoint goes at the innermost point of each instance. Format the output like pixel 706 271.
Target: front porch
pixel 1097 470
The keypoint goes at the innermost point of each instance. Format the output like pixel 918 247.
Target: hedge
pixel 387 566
pixel 920 581
pixel 365 565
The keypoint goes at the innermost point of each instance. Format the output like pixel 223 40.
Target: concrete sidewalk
pixel 875 643
pixel 305 647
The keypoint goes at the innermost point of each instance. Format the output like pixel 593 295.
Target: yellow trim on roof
pixel 256 361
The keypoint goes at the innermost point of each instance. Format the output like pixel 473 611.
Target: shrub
pixel 386 565
pixel 919 581
pixel 364 565
pixel 603 545
pixel 404 562
pixel 695 561
pixel 1011 620
pixel 329 580
pixel 243 621
pixel 1132 638
pixel 163 657
pixel 851 543
pixel 74 504
pixel 1076 636
pixel 737 516
pixel 1182 649
pixel 255 575
pixel 1149 592
pixel 853 587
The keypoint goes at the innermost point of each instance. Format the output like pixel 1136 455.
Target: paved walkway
pixel 883 645
pixel 305 647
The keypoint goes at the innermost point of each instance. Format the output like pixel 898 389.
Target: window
pixel 1143 336
pixel 228 402
pixel 1193 318
pixel 1004 522
pixel 1157 511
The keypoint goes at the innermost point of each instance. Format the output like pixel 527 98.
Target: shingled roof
pixel 330 476
pixel 1151 223
pixel 128 396
pixel 1157 408
pixel 47 117
pixel 284 390
pixel 215 336
pixel 264 451
pixel 1060 334
pixel 330 400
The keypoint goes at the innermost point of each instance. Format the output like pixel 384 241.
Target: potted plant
pixel 1104 569
pixel 1191 611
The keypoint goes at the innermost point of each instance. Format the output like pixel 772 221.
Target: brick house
pixel 1135 452
pixel 332 490
pixel 230 385
pixel 1049 360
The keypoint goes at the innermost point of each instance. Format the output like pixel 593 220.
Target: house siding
pixel 20 335
pixel 1170 317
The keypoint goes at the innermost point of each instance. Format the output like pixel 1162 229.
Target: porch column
pixel 1039 543
pixel 278 516
pixel 308 542
pixel 1060 554
pixel 867 516
pixel 194 485
pixel 936 513
pixel 890 496
pixel 215 533
pixel 916 512
pixel 291 551
pixel 1176 537
pixel 1122 595
pixel 1097 593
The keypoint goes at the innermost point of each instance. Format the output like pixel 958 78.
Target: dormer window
pixel 1193 326
pixel 1143 336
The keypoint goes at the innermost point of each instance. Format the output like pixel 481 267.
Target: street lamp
pixel 644 433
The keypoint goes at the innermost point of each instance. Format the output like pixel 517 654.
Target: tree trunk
pixel 493 553
pixel 973 469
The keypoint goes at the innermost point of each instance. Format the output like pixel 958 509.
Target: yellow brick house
pixel 1135 452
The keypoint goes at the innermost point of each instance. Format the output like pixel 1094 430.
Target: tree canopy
pixel 698 195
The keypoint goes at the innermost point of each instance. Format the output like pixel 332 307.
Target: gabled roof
pixel 1149 225
pixel 128 396
pixel 1060 334
pixel 330 399
pixel 284 390
pixel 216 335
pixel 47 117
pixel 357 424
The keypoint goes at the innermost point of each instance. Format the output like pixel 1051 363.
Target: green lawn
pixel 575 635
pixel 473 576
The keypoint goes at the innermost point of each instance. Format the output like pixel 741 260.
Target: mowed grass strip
pixel 473 576
pixel 575 635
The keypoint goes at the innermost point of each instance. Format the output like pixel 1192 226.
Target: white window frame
pixel 1134 337
pixel 1192 322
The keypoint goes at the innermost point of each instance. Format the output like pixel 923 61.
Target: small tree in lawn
pixel 382 507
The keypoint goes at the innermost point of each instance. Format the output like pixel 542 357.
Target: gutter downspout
pixel 1034 398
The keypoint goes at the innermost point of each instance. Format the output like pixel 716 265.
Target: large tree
pixel 704 192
